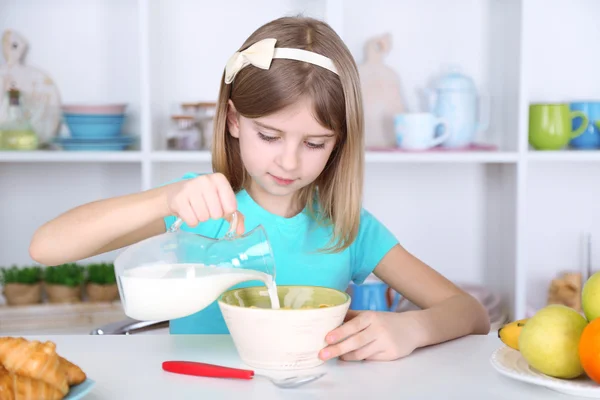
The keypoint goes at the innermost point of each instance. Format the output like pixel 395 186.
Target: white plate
pixel 510 362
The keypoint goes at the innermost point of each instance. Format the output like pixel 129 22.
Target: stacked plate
pixel 95 128
pixel 490 300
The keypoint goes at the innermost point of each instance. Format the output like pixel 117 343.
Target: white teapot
pixel 456 100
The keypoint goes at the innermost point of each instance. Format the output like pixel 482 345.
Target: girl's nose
pixel 288 158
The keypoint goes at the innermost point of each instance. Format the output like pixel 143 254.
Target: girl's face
pixel 285 151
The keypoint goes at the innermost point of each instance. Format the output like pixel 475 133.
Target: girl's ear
pixel 233 122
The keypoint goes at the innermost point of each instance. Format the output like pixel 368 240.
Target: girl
pixel 287 154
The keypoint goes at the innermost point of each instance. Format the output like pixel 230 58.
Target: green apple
pixel 590 297
pixel 549 341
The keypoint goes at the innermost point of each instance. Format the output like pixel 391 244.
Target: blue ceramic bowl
pixel 95 144
pixel 97 126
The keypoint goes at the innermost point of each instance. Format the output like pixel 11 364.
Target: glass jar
pixel 184 134
pixel 16 131
pixel 204 113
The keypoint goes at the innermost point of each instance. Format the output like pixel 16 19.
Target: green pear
pixel 549 341
pixel 590 297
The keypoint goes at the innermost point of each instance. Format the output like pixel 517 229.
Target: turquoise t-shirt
pixel 294 242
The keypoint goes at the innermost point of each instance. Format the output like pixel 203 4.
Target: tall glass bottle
pixel 16 132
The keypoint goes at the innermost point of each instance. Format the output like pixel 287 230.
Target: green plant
pixel 24 275
pixel 66 274
pixel 101 274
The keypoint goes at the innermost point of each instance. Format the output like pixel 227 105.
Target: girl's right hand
pixel 202 198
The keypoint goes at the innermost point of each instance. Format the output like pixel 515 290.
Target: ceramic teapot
pixel 455 99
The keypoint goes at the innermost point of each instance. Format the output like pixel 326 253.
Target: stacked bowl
pixel 94 128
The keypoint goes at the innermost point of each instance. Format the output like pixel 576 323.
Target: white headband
pixel 261 53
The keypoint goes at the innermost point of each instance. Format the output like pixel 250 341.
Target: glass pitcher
pixel 178 273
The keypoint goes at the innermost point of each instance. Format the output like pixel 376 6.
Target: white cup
pixel 417 131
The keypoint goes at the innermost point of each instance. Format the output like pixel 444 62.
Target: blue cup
pixel 373 296
pixel 590 138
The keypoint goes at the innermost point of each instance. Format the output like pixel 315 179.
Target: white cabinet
pixel 511 219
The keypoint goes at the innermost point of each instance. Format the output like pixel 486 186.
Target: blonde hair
pixel 335 197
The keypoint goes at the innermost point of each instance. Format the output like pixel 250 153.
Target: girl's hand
pixel 202 198
pixel 370 335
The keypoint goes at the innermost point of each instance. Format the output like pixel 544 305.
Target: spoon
pixel 217 371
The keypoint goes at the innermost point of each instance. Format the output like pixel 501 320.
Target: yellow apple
pixel 590 297
pixel 549 341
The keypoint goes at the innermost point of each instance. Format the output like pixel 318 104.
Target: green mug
pixel 550 125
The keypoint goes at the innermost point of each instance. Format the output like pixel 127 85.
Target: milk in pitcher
pixel 170 291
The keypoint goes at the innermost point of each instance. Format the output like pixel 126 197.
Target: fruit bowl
pixel 288 338
pixel 509 362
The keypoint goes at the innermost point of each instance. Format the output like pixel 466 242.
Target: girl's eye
pixel 315 145
pixel 267 138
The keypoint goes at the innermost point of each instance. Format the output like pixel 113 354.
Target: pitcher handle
pixel 176 225
pixel 230 233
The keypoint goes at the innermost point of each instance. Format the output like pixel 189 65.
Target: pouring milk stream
pixel 179 273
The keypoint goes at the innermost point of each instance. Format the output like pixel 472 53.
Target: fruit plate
pixel 79 391
pixel 510 362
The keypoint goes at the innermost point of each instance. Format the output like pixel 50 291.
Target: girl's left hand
pixel 371 335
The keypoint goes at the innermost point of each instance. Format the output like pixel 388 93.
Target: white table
pixel 129 367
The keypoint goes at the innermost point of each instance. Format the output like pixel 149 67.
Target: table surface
pixel 129 367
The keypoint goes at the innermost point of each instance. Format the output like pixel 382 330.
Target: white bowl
pixel 95 109
pixel 282 339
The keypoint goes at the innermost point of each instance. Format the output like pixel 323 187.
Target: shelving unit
pixel 70 156
pixel 510 219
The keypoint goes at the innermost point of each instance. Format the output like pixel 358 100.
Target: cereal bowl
pixel 287 338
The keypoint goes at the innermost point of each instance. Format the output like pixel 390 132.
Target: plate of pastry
pixel 78 392
pixel 30 369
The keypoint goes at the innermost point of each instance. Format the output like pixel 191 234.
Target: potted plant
pixel 22 286
pixel 101 283
pixel 63 283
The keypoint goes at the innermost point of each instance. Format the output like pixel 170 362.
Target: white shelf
pixel 181 156
pixel 71 156
pixel 466 157
pixel 370 157
pixel 564 156
pixel 204 156
pixel 482 157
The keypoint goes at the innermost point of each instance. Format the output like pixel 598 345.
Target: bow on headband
pixel 261 53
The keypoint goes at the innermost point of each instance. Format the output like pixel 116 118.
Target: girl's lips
pixel 282 181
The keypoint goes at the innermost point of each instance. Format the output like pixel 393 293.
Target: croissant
pixel 17 387
pixel 35 360
pixel 75 375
